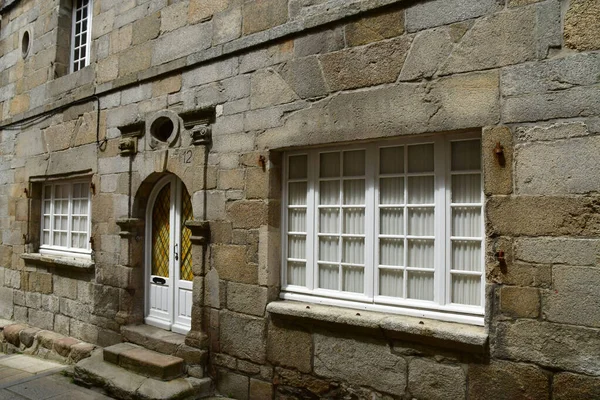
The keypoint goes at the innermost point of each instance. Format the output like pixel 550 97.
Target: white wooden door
pixel 168 257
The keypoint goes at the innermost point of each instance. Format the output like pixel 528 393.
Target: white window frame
pixel 87 31
pixel 441 308
pixel 52 249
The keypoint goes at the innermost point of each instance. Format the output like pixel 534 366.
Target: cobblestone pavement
pixel 25 377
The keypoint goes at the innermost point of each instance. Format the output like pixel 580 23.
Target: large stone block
pixel 41 319
pixel 6 303
pixel 362 362
pixel 321 42
pixel 135 59
pixel 550 345
pixel 146 29
pixel 371 65
pixel 498 169
pixel 305 77
pixel 542 216
pixel 375 28
pixel 243 336
pixel 249 214
pixel 442 12
pixel 230 263
pixel 246 299
pixel 571 251
pixel 202 10
pixel 550 168
pixel 432 380
pixel 290 347
pixel 259 15
pixel 566 386
pixel 520 302
pixel 550 132
pixel 182 42
pixel 268 88
pixel 233 385
pixel 575 298
pixel 506 380
pixel 227 25
pixel 582 31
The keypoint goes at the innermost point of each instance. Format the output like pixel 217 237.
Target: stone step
pixel 126 384
pixel 144 362
pixel 166 342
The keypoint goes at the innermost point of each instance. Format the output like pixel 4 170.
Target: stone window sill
pixel 438 333
pixel 53 261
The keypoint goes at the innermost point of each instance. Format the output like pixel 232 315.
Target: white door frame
pixel 176 315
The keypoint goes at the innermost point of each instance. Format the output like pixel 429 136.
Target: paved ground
pixel 29 378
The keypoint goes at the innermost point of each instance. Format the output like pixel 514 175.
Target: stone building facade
pixel 216 96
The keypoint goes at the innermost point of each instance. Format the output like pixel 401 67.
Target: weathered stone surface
pixel 230 263
pixel 321 42
pixel 263 14
pixel 574 298
pixel 246 299
pixel 550 132
pixel 243 336
pixel 12 333
pixel 506 380
pixel 146 29
pixel 543 216
pixel 247 214
pixel 549 345
pixel 582 31
pixel 182 42
pixel 365 66
pixel 233 385
pixel 6 303
pixel 260 389
pixel 442 12
pixel 570 251
pixel 432 380
pixel 289 347
pixel 269 89
pixel 305 77
pixel 497 169
pixel 375 28
pixel 173 16
pixel 566 386
pixel 27 336
pixel 201 10
pixel 227 25
pixel 551 169
pixel 520 301
pixel 365 362
pixel 41 319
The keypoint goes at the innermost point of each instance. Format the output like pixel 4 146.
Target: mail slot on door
pixel 159 281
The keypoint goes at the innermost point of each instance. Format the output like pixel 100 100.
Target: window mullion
pixel 441 193
pixel 70 216
pixel 311 223
pixel 340 224
pixel 371 240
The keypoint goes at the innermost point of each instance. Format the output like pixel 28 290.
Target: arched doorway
pixel 168 269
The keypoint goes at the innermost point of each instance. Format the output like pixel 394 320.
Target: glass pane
pixel 353 279
pixel 354 163
pixel 46 238
pixel 354 251
pixel 329 193
pixel 296 273
pixel 466 255
pixel 75 240
pixel 47 192
pixel 297 247
pixel 391 252
pixel 421 222
pixel 329 165
pixel 328 249
pixel 420 254
pixel 297 220
pixel 297 194
pixel 420 158
pixel 298 167
pixel 161 228
pixel 82 241
pixel 57 223
pixel 466 221
pixel 466 290
pixel 77 41
pixel 354 191
pixel 77 190
pixel 420 285
pixel 328 277
pixel 391 191
pixel 76 54
pixel 391 160
pixel 47 204
pixel 391 221
pixel 84 25
pixel 329 220
pixel 391 282
pixel 421 190
pixel 78 17
pixel 76 207
pixel 46 222
pixel 466 188
pixel 354 220
pixel 466 155
pixel 76 224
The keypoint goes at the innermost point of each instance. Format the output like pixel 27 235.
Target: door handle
pixel 159 281
pixel 176 254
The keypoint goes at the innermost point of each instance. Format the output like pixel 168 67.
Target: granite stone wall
pixel 268 75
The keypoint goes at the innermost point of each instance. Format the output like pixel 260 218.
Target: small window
pixel 81 34
pixel 66 219
pixel 389 226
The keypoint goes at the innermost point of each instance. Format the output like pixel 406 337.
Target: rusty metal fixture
pixel 500 256
pixel 93 188
pixel 262 161
pixel 499 154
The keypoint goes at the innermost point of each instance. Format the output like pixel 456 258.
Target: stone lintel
pixel 465 337
pixel 58 261
pixel 200 231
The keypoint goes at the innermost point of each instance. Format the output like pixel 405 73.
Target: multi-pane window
pixel 80 39
pixel 66 218
pixel 393 226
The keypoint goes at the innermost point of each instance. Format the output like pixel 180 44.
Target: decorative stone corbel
pixel 201 135
pixel 130 227
pixel 200 231
pixel 128 146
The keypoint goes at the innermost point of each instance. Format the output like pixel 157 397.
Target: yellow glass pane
pixel 160 232
pixel 186 234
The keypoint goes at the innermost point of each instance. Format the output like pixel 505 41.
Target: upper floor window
pixel 388 226
pixel 66 218
pixel 81 34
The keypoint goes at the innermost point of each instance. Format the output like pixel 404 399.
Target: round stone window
pixel 25 44
pixel 162 128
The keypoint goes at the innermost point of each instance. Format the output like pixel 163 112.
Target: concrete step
pixel 144 362
pixel 169 343
pixel 121 383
